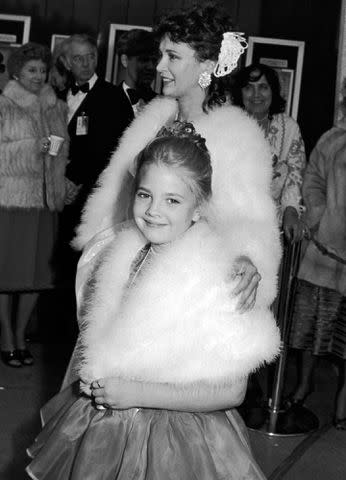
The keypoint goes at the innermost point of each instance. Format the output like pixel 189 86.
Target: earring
pixel 204 80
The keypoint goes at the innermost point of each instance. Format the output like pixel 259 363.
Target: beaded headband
pixel 232 46
pixel 186 130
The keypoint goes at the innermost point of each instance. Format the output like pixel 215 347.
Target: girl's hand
pixel 246 288
pixel 113 393
pixel 44 144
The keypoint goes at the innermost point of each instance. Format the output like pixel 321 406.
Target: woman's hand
pixel 293 227
pixel 246 288
pixel 113 393
pixel 44 144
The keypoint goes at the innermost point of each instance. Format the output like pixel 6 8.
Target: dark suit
pixel 109 113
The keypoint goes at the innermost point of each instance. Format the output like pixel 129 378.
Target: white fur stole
pixel 177 323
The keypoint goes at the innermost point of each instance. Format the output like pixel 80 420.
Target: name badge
pixel 82 125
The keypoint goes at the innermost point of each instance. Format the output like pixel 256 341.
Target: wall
pixel 94 16
pixel 317 25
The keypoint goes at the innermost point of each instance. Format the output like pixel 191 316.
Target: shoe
pixel 24 356
pixel 10 358
pixel 339 423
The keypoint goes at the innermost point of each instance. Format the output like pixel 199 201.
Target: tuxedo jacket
pixel 147 95
pixel 109 113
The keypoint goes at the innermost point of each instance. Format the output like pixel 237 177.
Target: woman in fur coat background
pixel 32 191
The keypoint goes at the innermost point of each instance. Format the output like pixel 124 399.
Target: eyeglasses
pixel 80 59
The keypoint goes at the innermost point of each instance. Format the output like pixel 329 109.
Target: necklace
pixel 264 123
pixel 265 117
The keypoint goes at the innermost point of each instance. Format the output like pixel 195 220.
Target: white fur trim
pixel 178 323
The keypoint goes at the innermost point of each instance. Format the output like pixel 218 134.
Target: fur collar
pixel 22 97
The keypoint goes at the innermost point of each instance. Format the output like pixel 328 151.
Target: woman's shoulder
pixel 286 120
pixel 229 111
pixel 5 102
pixel 333 139
pixel 230 122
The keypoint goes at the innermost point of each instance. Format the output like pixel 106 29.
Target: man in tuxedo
pixel 98 114
pixel 138 53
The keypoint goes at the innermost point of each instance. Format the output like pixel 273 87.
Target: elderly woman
pixel 32 192
pixel 256 88
pixel 319 315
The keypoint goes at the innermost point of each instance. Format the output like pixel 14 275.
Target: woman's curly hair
pixel 22 55
pixel 252 73
pixel 202 28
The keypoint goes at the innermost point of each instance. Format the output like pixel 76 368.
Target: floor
pixel 320 455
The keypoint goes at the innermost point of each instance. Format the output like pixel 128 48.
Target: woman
pixel 319 316
pixel 192 43
pixel 159 292
pixel 32 191
pixel 256 88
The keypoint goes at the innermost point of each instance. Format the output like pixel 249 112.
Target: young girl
pixel 163 351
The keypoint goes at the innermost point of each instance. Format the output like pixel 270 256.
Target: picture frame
pixel 286 57
pixel 114 71
pixel 57 38
pixel 5 51
pixel 14 29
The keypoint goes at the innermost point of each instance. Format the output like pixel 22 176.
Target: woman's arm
pixel 119 393
pixel 291 193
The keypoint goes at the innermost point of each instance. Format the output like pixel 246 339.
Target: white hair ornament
pixel 232 46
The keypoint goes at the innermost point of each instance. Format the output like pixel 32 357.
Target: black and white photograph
pixel 172 240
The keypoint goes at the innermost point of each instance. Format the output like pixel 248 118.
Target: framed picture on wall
pixel 5 51
pixel 56 40
pixel 14 29
pixel 114 70
pixel 286 57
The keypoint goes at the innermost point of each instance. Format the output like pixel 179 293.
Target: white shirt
pixel 136 107
pixel 74 101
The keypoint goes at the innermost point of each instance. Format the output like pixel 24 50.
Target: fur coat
pixel 177 321
pixel 241 220
pixel 29 178
pixel 242 173
pixel 324 194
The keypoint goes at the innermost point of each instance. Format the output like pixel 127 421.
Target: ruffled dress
pixel 80 442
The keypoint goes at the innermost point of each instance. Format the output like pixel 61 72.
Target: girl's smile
pixel 165 205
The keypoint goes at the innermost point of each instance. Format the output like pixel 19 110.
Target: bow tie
pixel 134 95
pixel 80 88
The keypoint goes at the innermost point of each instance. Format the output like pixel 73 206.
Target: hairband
pixel 232 46
pixel 186 130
